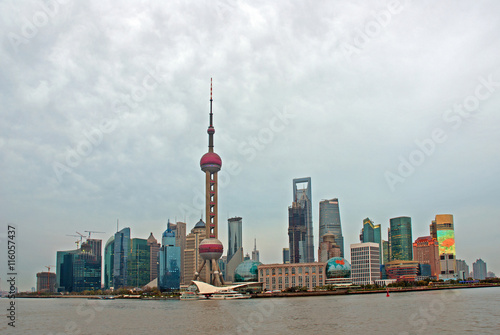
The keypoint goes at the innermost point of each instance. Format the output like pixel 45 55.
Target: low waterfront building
pixel 283 276
pixel 402 270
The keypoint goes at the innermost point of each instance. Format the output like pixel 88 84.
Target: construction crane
pixel 77 242
pixel 95 232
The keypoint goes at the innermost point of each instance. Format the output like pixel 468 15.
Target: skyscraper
pixel 462 269
pixel 192 258
pixel 372 233
pixel 46 282
pixel 329 222
pixel 400 238
pixel 303 196
pixel 479 269
pixel 442 229
pixel 121 251
pixel 297 232
pixel 180 240
pixel 169 259
pixel 154 247
pixel 328 248
pixel 80 270
pixel 235 246
pixel 286 255
pixel 211 249
pixel 255 252
pixel 109 257
pixel 138 263
pixel 426 251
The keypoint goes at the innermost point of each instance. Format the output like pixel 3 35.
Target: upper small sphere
pixel 211 162
pixel 338 267
pixel 211 130
pixel 211 248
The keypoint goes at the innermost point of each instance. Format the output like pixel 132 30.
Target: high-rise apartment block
pixel 479 270
pixel 286 255
pixel 365 263
pixel 426 251
pixel 329 222
pixel 400 239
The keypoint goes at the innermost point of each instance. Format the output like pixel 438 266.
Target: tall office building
pixel 179 230
pixel 154 247
pixel 297 232
pixel 255 252
pixel 328 248
pixel 121 251
pixel 372 233
pixel 365 263
pixel 329 222
pixel 109 257
pixel 138 263
pixel 169 262
pixel 192 259
pixel 462 269
pixel 46 282
pixel 235 246
pixel 286 255
pixel 303 196
pixel 385 252
pixel 80 270
pixel 443 230
pixel 479 271
pixel 400 239
pixel 426 251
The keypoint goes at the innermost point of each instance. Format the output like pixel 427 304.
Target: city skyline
pixel 385 123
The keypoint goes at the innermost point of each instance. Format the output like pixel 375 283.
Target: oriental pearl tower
pixel 211 248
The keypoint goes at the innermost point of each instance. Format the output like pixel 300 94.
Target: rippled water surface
pixel 466 311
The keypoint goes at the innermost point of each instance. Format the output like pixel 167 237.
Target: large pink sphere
pixel 211 162
pixel 211 248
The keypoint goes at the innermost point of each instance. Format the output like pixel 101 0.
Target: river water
pixel 465 311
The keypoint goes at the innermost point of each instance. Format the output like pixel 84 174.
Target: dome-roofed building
pixel 200 224
pixel 338 267
pixel 246 272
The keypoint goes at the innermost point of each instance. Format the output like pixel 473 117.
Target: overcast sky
pixel 391 107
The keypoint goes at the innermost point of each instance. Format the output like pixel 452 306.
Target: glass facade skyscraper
pixel 401 242
pixel 169 263
pixel 372 233
pixel 303 196
pixel 138 263
pixel 121 251
pixel 80 270
pixel 109 253
pixel 329 222
pixel 235 247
